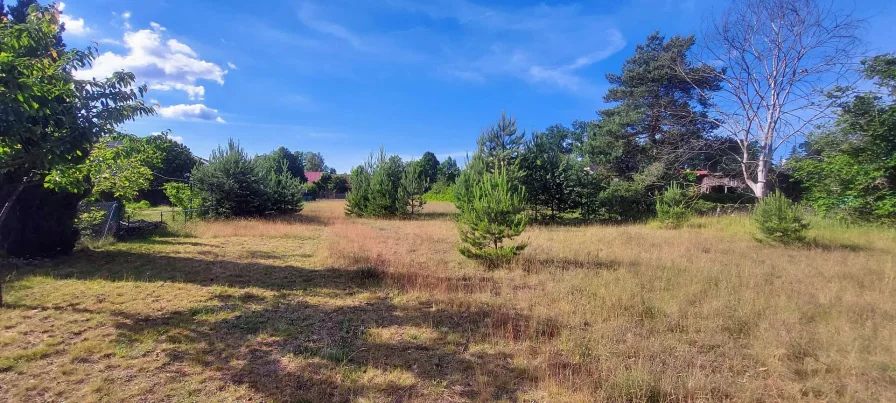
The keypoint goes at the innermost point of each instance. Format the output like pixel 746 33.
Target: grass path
pixel 324 308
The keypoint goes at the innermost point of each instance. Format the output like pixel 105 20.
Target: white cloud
pixel 74 26
pixel 541 44
pixel 178 47
pixel 194 92
pixel 190 112
pixel 232 66
pixel 125 17
pixel 163 65
pixel 110 41
pixel 308 16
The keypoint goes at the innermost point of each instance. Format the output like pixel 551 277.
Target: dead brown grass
pixel 329 308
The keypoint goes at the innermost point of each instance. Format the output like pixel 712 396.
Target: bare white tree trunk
pixel 778 60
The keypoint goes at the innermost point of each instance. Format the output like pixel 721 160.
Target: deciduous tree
pixel 780 60
pixel 51 120
pixel 849 170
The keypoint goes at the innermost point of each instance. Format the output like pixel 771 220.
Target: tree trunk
pixel 6 209
pixel 761 176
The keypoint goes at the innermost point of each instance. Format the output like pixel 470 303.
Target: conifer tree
pixel 501 144
pixel 493 213
pixel 413 186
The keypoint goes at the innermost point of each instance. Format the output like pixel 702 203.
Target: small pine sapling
pixel 493 212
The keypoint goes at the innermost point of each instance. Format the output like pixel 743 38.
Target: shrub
pixel 780 220
pixel 441 191
pixel 619 201
pixel 493 213
pixel 673 206
pixel 182 195
pixel 135 208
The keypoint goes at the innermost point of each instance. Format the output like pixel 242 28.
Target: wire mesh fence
pixel 112 220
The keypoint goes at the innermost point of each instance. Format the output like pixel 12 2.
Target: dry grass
pixel 328 308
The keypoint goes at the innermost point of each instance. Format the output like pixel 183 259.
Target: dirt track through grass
pixel 320 307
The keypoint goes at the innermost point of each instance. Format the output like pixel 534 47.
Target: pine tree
pixel 493 213
pixel 413 186
pixel 230 183
pixel 377 188
pixel 501 144
pixel 357 201
pixel 661 111
pixel 546 166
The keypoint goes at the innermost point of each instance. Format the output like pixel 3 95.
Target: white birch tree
pixel 778 61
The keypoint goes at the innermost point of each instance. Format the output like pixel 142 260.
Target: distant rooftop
pixel 313 176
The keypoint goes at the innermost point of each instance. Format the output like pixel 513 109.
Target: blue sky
pixel 344 77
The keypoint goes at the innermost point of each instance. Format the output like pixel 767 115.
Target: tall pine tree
pixel 660 116
pixel 501 144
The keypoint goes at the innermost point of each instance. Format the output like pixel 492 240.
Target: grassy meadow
pixel 321 307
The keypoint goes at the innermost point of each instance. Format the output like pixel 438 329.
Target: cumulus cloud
pixel 165 65
pixel 190 112
pixel 74 26
pixel 232 66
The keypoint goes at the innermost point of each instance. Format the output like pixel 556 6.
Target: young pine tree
pixel 492 212
pixel 283 189
pixel 357 201
pixel 413 186
pixel 230 184
pixel 673 206
pixel 780 220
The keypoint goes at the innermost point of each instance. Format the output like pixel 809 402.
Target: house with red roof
pixel 313 176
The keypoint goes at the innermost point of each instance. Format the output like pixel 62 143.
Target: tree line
pixel 768 73
pixel 765 75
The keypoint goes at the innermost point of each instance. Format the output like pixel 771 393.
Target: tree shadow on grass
pixel 129 266
pixel 294 351
pixel 289 347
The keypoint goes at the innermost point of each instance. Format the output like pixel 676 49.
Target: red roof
pixel 313 176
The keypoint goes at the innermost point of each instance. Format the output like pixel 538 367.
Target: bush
pixel 619 201
pixel 182 195
pixel 780 220
pixel 135 208
pixel 441 191
pixel 493 213
pixel 673 206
